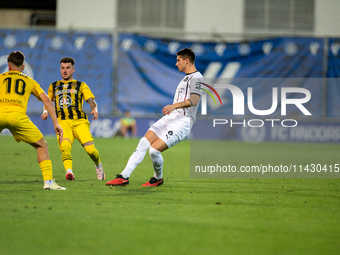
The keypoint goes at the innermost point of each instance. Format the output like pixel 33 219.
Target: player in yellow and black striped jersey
pixel 68 99
pixel 15 90
pixel 68 96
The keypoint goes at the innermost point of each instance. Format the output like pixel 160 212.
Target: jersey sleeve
pixel 195 85
pixel 87 93
pixel 37 90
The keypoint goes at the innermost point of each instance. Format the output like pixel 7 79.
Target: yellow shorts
pixel 76 129
pixel 21 127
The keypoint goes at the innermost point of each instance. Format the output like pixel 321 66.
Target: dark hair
pixel 17 58
pixel 67 60
pixel 187 53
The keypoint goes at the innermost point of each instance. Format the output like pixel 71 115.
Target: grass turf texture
pixel 184 216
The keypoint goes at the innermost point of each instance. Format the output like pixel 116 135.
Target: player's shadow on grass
pixel 24 185
pixel 18 182
pixel 138 191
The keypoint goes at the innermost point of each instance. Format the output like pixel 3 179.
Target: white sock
pixel 69 171
pixel 136 158
pixel 157 161
pixel 49 182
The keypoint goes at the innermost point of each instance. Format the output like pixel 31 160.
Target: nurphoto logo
pixel 239 104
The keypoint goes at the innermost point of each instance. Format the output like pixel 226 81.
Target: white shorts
pixel 171 130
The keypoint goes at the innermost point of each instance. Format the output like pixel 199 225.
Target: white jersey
pixel 188 85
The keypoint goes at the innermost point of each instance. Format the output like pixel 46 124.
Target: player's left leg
pixel 94 155
pixel 83 135
pixel 46 165
pixel 176 131
pixel 24 130
pixel 92 152
pixel 135 159
pixel 157 145
pixel 157 162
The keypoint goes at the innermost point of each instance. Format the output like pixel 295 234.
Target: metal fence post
pixel 325 76
pixel 115 59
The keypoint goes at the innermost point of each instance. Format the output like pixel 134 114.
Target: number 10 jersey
pixel 15 90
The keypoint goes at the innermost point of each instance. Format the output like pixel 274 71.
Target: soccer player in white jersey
pixel 172 128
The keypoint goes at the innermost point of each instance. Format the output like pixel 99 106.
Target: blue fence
pixel 43 50
pixel 146 73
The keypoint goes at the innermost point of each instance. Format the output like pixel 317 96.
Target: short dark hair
pixel 67 60
pixel 17 58
pixel 187 53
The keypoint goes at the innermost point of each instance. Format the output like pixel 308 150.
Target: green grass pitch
pixel 184 216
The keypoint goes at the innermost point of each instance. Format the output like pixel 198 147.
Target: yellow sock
pixel 93 153
pixel 67 164
pixel 66 154
pixel 46 169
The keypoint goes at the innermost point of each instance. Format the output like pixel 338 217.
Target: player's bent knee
pixel 156 157
pixel 40 144
pixel 153 152
pixel 45 144
pixel 90 149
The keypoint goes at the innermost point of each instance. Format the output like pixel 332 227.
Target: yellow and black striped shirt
pixel 68 98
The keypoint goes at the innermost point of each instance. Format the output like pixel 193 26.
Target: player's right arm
pixel 48 105
pixel 192 101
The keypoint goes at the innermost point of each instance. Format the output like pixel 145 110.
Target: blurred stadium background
pixel 125 50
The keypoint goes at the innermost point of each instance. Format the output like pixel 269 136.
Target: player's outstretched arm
pixel 93 105
pixel 192 101
pixel 48 105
